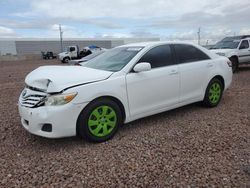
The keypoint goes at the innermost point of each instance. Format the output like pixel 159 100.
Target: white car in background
pixel 121 85
pixel 236 48
pixel 86 58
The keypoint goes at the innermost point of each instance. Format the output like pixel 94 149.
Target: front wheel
pixel 213 93
pixel 235 64
pixel 99 121
pixel 65 60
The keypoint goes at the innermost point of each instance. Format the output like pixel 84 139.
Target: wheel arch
pixel 220 78
pixel 66 57
pixel 114 99
pixel 206 101
pixel 117 101
pixel 234 56
pixel 215 76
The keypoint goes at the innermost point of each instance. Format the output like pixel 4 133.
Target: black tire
pixel 66 60
pixel 83 129
pixel 207 101
pixel 235 63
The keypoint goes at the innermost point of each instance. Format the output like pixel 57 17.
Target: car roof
pixel 245 36
pixel 240 37
pixel 150 44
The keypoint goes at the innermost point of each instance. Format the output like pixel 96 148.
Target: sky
pixel 166 19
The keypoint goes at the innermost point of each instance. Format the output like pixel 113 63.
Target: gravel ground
pixel 191 146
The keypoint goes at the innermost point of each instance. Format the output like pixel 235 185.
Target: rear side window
pixel 186 53
pixel 159 56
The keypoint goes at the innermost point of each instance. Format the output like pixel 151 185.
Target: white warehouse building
pixel 23 46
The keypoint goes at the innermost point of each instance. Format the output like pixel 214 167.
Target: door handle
pixel 210 65
pixel 173 72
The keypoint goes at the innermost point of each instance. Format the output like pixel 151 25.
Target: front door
pixel 244 52
pixel 156 89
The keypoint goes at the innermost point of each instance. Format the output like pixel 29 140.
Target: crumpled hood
pixel 56 78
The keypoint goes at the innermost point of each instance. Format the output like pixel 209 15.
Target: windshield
pixel 228 43
pixel 67 49
pixel 113 60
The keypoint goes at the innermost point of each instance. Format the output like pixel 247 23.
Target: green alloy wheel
pixel 213 93
pixel 100 120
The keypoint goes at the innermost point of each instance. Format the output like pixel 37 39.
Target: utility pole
pixel 199 36
pixel 61 36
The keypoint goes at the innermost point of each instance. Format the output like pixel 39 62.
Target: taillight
pixel 229 63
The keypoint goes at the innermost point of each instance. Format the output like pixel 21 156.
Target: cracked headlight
pixel 56 100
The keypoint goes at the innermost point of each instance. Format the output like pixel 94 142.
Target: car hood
pixel 222 51
pixel 57 78
pixel 63 53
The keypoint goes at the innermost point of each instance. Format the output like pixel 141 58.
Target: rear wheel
pixel 235 64
pixel 214 93
pixel 99 121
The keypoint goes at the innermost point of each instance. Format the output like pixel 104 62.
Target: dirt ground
pixel 191 146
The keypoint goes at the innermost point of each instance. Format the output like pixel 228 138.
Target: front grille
pixel 30 98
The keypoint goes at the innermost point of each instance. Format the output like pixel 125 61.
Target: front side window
pixel 113 60
pixel 187 53
pixel 158 56
pixel 244 44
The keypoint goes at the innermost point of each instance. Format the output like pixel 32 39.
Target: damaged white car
pixel 119 86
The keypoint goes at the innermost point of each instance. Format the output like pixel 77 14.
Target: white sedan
pixel 121 85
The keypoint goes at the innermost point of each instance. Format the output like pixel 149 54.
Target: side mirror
pixel 141 67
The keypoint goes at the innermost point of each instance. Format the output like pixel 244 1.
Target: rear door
pixel 194 67
pixel 156 89
pixel 244 52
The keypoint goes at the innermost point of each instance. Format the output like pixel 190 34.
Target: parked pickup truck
pixel 73 52
pixel 236 48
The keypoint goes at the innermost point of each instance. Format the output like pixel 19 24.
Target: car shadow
pixel 165 115
pixel 72 142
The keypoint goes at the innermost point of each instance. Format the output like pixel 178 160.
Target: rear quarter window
pixel 187 53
